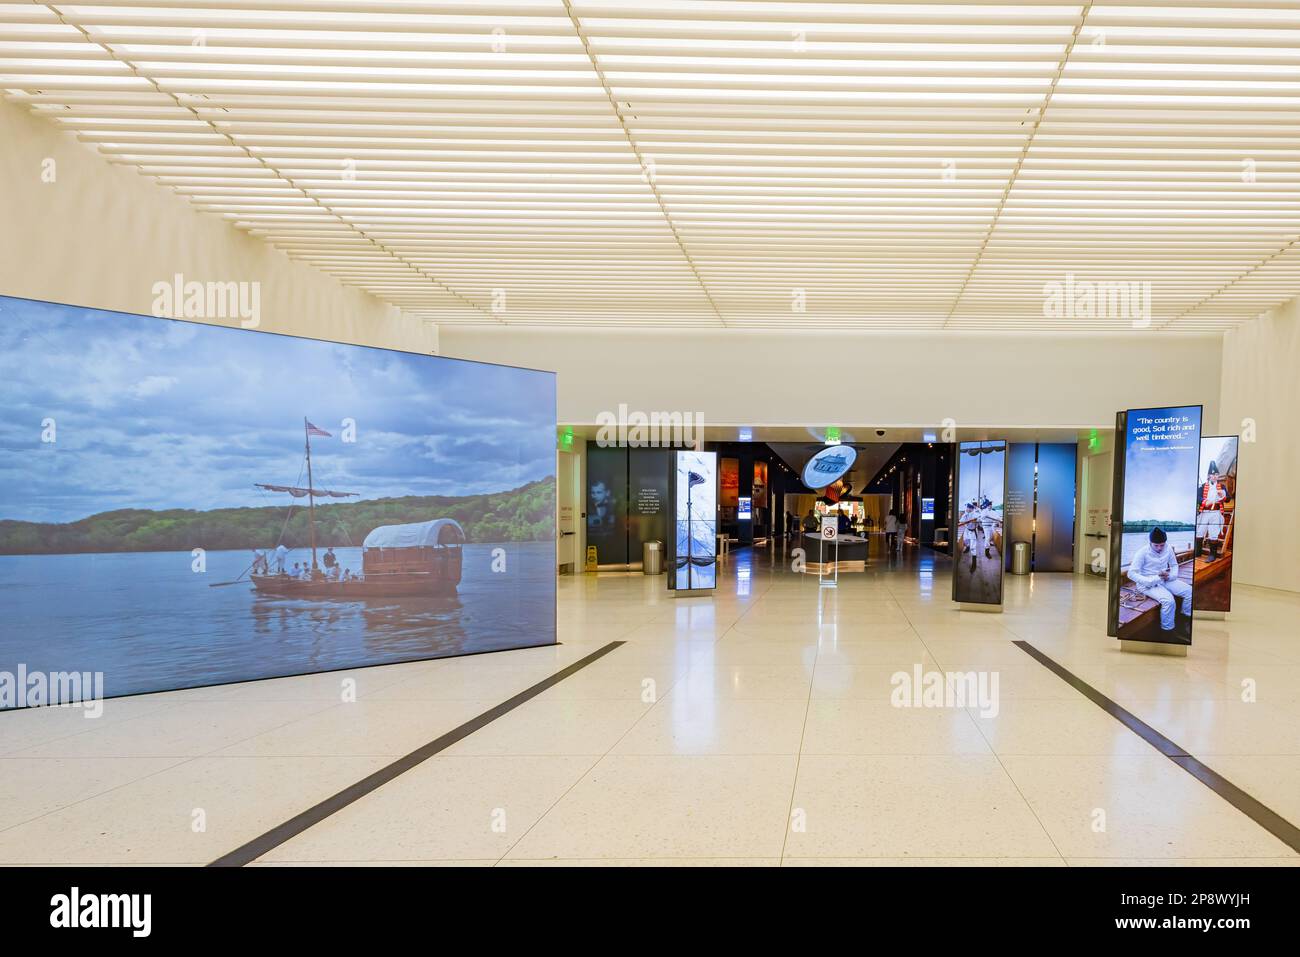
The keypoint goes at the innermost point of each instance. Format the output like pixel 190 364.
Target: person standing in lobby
pixel 810 522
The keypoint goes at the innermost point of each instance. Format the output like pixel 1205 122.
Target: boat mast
pixel 311 497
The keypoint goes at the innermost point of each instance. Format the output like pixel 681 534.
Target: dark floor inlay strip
pixel 1265 817
pixel 332 805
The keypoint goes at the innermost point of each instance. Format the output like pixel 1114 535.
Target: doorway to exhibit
pixel 775 485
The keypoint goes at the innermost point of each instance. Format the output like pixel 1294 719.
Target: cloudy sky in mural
pixel 151 413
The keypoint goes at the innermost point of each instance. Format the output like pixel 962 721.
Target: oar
pixel 235 582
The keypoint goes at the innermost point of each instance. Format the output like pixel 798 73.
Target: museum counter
pixel 849 552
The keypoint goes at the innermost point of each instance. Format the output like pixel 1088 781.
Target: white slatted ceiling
pixel 705 162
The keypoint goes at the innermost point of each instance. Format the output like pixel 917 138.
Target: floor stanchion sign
pixel 829 535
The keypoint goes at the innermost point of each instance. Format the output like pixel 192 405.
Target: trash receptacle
pixel 652 558
pixel 1020 558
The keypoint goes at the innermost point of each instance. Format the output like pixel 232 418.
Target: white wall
pixel 101 235
pixel 1094 485
pixel 1067 381
pixel 1261 381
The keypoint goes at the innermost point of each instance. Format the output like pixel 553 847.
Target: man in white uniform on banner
pixel 991 522
pixel 970 523
pixel 1154 573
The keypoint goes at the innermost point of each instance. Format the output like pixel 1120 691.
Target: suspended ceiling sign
pixel 828 466
pixel 696 163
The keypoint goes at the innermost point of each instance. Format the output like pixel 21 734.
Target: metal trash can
pixel 652 558
pixel 1020 558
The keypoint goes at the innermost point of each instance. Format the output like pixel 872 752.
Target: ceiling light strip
pixel 1020 161
pixel 323 207
pixel 647 169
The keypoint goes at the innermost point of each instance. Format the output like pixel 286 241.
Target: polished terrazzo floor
pixel 753 727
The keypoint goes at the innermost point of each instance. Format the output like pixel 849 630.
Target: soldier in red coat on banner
pixel 1209 513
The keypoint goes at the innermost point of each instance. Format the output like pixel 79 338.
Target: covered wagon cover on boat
pixel 440 531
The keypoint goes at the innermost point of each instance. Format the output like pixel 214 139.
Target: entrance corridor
pixel 753 727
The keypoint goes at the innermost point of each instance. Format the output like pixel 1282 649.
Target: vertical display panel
pixel 627 501
pixel 760 484
pixel 692 565
pixel 1022 472
pixel 729 483
pixel 1216 510
pixel 1154 537
pixel 981 481
pixel 1041 503
pixel 1054 507
pixel 1114 520
pixel 647 485
pixel 607 480
pixel 187 504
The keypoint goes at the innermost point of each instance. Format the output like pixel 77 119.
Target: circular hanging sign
pixel 829 464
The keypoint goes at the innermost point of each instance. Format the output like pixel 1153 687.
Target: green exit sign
pixel 832 435
pixel 566 438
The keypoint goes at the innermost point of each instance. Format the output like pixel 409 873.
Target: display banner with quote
pixel 1022 462
pixel 1153 539
pixel 1216 508
pixel 627 501
pixel 692 548
pixel 980 484
pixel 647 498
